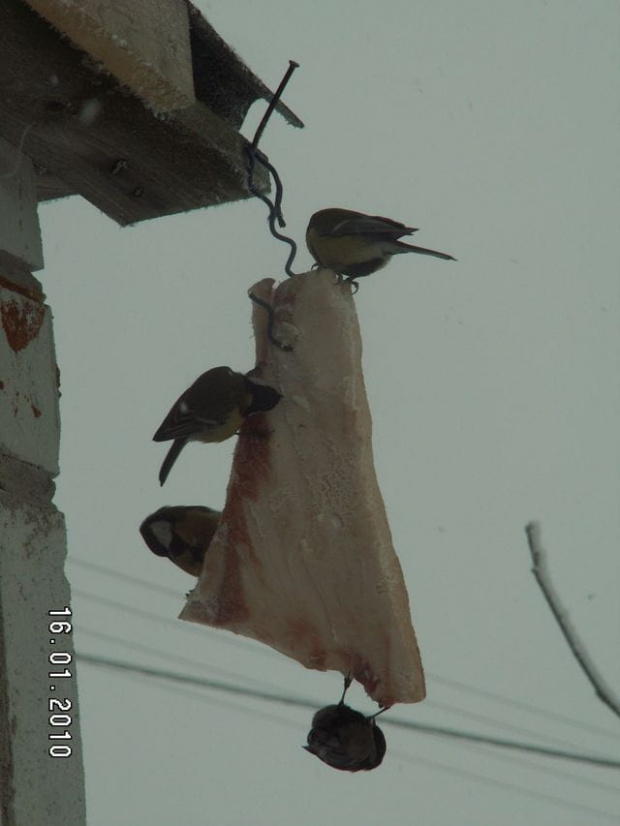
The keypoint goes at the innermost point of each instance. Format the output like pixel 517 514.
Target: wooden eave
pixel 88 134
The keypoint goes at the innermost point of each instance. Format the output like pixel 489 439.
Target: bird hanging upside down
pixel 354 245
pixel 345 739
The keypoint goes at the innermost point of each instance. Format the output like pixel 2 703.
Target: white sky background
pixel 493 383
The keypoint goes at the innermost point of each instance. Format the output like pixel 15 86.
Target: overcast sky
pixel 493 384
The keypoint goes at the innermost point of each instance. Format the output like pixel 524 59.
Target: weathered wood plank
pixel 144 44
pixel 78 125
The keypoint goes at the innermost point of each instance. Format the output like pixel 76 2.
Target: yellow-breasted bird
pixel 212 410
pixel 353 244
pixel 183 533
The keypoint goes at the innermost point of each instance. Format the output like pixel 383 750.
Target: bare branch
pixel 540 571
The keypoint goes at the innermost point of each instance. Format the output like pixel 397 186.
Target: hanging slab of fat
pixel 303 558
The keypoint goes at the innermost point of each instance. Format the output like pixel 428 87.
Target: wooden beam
pixel 144 44
pixel 78 125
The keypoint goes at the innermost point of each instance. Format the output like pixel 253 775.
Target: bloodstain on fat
pixel 251 467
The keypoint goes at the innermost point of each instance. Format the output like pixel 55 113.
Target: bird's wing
pixel 372 225
pixel 183 422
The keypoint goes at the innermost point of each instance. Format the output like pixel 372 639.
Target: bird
pixel 183 533
pixel 354 245
pixel 212 410
pixel 345 739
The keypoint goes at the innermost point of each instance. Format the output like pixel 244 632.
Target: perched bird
pixel 353 244
pixel 211 410
pixel 183 533
pixel 345 739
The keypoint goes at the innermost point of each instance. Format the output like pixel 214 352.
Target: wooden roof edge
pixel 206 41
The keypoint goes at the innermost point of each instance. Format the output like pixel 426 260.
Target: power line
pixel 431 764
pixel 510 744
pixel 519 704
pixel 168 656
pixel 174 623
pixel 266 651
pixel 392 721
pixel 503 784
pixel 197 694
pixel 103 569
pixel 484 718
pixel 451 683
pixel 532 765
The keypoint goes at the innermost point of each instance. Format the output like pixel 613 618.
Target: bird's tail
pixel 402 247
pixel 171 457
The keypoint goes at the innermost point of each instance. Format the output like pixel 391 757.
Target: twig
pixel 578 649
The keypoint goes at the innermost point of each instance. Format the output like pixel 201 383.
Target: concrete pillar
pixel 41 772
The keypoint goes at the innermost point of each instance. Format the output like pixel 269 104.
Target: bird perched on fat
pixel 183 533
pixel 353 244
pixel 212 410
